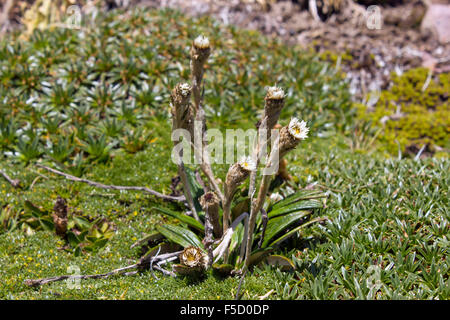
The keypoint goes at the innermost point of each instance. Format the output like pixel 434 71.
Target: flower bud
pixel 210 204
pixel 60 216
pixel 200 51
pixel 274 102
pixel 201 42
pixel 237 174
pixel 182 113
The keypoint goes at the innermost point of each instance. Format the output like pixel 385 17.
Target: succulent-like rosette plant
pixel 227 229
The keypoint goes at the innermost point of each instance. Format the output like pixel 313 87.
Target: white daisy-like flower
pixel 247 163
pixel 298 129
pixel 201 42
pixel 275 93
pixel 276 197
pixel 185 89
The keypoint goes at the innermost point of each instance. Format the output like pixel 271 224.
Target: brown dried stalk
pixel 182 118
pixel 210 204
pixel 237 173
pixel 182 113
pixel 273 104
pixel 200 52
pixel 264 219
pixel 288 138
pixel 261 144
pixel 60 216
pixel 208 239
pixel 113 187
pixel 257 204
pixel 14 182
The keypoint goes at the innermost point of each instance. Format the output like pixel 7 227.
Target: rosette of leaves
pixel 211 231
pixel 82 233
pixel 285 219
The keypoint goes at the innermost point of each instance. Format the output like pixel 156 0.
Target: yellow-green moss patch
pixel 413 113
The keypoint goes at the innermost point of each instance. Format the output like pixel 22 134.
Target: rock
pixel 437 21
pixel 406 16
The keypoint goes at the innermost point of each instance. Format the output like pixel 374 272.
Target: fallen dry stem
pixel 39 282
pixel 155 262
pixel 256 205
pixel 113 187
pixel 14 182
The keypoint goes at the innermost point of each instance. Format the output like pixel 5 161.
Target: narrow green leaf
pixel 100 243
pixel 77 251
pixel 73 239
pixel 183 218
pixel 258 255
pixel 196 189
pixel 47 223
pixel 279 224
pixel 34 210
pixel 298 196
pixel 293 231
pixel 300 205
pixel 182 236
pixel 282 262
pixel 81 222
pixel 237 237
pixel 150 239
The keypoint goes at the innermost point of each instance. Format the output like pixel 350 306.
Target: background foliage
pixel 95 103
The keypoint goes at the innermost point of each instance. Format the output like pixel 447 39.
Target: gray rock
pixel 437 21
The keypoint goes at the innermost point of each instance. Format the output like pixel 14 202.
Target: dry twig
pixel 14 182
pixel 113 187
pixel 40 282
pixel 155 262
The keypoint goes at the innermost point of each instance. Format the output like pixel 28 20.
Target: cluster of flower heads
pixel 193 257
pixel 298 129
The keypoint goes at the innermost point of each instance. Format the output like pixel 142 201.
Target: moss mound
pixel 413 113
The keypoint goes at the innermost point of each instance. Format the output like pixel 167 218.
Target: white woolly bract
pixel 201 42
pixel 275 93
